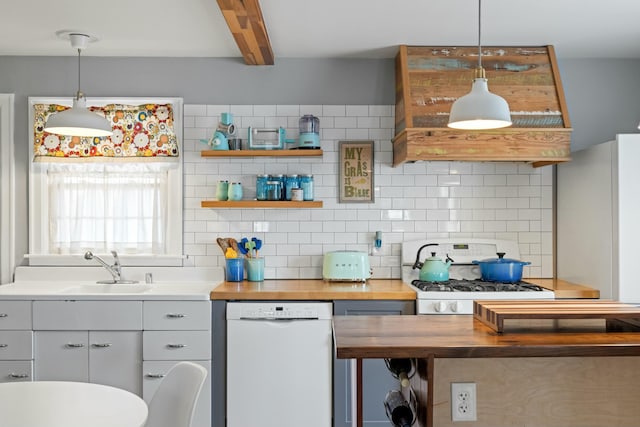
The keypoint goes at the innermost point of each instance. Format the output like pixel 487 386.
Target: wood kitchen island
pixel 561 345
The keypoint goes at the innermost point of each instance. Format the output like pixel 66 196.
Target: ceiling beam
pixel 245 21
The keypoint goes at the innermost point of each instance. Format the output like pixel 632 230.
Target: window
pixel 129 204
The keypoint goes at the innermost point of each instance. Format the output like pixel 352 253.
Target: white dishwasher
pixel 279 364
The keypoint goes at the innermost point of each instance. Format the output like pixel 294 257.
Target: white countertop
pixel 90 291
pixel 75 284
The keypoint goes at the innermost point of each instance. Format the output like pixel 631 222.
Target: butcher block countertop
pixel 454 336
pixel 564 289
pixel 313 289
pixel 375 289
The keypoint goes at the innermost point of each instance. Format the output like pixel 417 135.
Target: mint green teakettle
pixel 433 269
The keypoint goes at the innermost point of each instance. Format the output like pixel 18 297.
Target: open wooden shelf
pixel 260 204
pixel 262 153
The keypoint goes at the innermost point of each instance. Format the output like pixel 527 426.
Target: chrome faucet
pixel 115 270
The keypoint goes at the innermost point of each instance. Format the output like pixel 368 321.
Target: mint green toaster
pixel 346 266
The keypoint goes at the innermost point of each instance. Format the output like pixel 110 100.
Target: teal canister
pixel 291 182
pixel 274 190
pixel 222 190
pixel 279 178
pixel 261 187
pixel 306 183
pixel 235 191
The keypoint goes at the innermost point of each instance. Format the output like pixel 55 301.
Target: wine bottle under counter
pixel 402 369
pixel 398 410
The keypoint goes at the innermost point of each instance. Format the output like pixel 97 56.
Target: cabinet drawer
pixel 87 315
pixel 177 315
pixel 176 345
pixel 16 345
pixel 15 314
pixel 16 370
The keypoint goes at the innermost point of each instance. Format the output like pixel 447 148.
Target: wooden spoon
pixel 223 243
pixel 233 243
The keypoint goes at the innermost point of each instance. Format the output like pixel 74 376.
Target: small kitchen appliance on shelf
pixel 465 284
pixel 346 266
pixel 268 138
pixel 225 129
pixel 309 132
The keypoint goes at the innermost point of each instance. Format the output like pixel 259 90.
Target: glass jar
pixel 274 190
pixel 306 183
pixel 280 179
pixel 291 182
pixel 261 187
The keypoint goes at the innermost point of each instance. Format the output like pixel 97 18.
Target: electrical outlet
pixel 463 402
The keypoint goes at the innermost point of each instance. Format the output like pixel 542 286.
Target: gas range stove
pixel 479 285
pixel 456 295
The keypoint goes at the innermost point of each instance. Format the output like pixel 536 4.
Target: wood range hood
pixel 430 78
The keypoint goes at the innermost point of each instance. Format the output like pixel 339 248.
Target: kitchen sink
pixel 112 288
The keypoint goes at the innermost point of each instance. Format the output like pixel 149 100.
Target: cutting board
pixel 494 313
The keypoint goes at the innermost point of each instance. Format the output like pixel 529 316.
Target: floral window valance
pixel 138 131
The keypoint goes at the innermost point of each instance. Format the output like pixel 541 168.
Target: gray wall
pixel 603 95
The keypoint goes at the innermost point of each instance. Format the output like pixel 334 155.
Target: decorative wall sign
pixel 356 172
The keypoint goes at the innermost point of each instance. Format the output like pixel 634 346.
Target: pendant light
pixel 479 109
pixel 78 120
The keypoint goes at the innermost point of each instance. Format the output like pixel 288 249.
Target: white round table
pixel 69 404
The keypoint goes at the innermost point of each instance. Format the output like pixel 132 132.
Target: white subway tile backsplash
pixel 264 110
pixel 357 110
pixel 344 122
pixel 368 122
pixel 357 133
pixel 421 200
pixel 448 180
pixel 207 122
pixel 191 110
pixel 510 168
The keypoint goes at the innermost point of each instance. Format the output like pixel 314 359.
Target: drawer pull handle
pixel 175 315
pixel 101 345
pixel 18 376
pixel 74 345
pixel 4 345
pixel 4 315
pixel 155 376
pixel 176 345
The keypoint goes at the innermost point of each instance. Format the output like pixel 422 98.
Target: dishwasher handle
pixel 279 319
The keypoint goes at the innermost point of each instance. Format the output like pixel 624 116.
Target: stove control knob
pixel 455 306
pixel 440 306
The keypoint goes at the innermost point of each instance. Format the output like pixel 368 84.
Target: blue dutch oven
pixel 501 269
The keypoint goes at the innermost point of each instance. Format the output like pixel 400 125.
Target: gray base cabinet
pixel 102 357
pixel 377 380
pixel 87 341
pixel 177 331
pixel 126 344
pixel 16 341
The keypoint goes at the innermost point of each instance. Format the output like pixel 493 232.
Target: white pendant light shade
pixel 78 121
pixel 479 109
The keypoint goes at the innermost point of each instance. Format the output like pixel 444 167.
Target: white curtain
pixel 108 206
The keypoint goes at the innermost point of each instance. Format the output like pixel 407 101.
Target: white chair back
pixel 175 399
